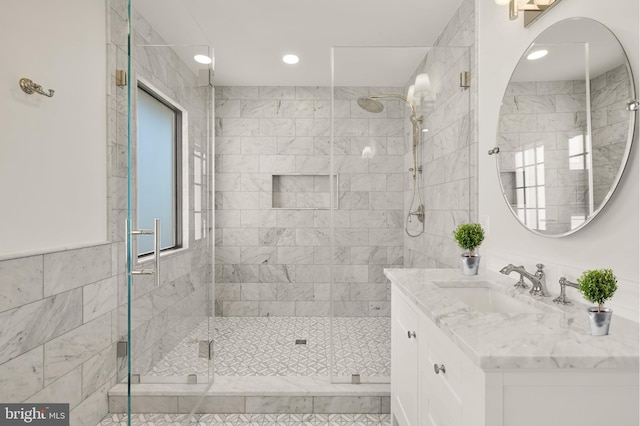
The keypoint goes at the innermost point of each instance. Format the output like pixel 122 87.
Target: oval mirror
pixel 566 126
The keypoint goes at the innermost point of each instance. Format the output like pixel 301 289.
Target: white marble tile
pixel 240 163
pixel 296 255
pixel 266 404
pixel 277 163
pixel 99 298
pixel 70 269
pixel 295 291
pixel 65 390
pixel 258 218
pixel 296 108
pixel 312 309
pixel 388 127
pixel 239 92
pixel 277 92
pixel 311 127
pixel 277 127
pixel 31 325
pixel 21 377
pixel 349 404
pixel 350 273
pixel 351 127
pixel 259 108
pixel 211 404
pixel 312 164
pixel 258 255
pixel 66 352
pixel 259 145
pixel 298 145
pixel 312 92
pixel 276 274
pixel 277 308
pixel 312 273
pixel 312 237
pixel 240 273
pixel 93 408
pixel 21 281
pixel 240 309
pixel 239 127
pixel 98 370
pixel 226 108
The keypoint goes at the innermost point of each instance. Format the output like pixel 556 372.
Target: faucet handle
pixel 540 267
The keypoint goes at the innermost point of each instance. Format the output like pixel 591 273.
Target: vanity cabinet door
pixel 440 403
pixel 404 361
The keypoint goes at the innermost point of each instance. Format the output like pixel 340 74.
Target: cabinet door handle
pixel 411 334
pixel 438 368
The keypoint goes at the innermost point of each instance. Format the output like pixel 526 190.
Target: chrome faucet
pixel 562 299
pixel 538 279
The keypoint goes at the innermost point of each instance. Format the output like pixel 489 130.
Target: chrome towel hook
pixel 29 87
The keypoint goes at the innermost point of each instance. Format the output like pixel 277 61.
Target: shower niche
pixel 301 191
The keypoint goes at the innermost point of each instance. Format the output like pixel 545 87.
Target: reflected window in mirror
pixel 564 130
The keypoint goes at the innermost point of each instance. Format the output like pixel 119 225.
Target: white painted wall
pixel 52 150
pixel 612 239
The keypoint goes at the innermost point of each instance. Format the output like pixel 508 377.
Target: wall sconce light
pixel 532 9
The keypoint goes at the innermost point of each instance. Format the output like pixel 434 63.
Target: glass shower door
pixel 391 137
pixel 161 156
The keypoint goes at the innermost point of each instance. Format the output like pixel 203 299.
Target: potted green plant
pixel 598 286
pixel 469 236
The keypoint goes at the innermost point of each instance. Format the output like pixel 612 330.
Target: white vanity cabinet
pixel 404 361
pixel 431 378
pixel 459 392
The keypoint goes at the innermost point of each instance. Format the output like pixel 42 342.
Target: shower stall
pixel 289 202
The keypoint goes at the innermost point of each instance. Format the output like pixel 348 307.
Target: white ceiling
pixel 249 37
pixel 571 43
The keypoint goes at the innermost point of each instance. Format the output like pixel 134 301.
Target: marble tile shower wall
pixel 449 149
pixel 63 312
pixel 609 127
pixel 547 114
pixel 275 262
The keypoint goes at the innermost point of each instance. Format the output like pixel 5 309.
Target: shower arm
pixel 414 115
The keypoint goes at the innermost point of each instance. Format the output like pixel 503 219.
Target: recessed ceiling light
pixel 537 54
pixel 290 59
pixel 203 59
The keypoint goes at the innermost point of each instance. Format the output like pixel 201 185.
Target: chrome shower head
pixel 370 105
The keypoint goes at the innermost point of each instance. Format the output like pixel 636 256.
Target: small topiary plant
pixel 469 236
pixel 598 285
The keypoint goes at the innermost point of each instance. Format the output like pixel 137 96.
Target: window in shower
pixel 158 169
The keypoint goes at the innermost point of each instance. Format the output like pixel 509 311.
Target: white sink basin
pixel 485 299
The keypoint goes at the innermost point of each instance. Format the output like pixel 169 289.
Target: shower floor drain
pixel 301 341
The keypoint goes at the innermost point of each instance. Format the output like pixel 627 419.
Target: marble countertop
pixel 556 337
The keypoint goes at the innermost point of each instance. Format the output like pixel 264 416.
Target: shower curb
pixel 255 395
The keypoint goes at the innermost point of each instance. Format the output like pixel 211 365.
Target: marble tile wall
pixel 548 114
pixel 448 151
pixel 609 127
pixel 62 312
pixel 545 115
pixel 275 262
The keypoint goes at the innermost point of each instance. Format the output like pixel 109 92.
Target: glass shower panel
pixel 170 340
pixel 388 127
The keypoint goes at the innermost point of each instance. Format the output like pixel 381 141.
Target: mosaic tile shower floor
pixel 265 346
pixel 249 420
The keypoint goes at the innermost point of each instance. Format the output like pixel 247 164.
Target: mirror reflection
pixel 565 129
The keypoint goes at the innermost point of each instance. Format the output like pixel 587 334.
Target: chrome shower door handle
pixel 156 249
